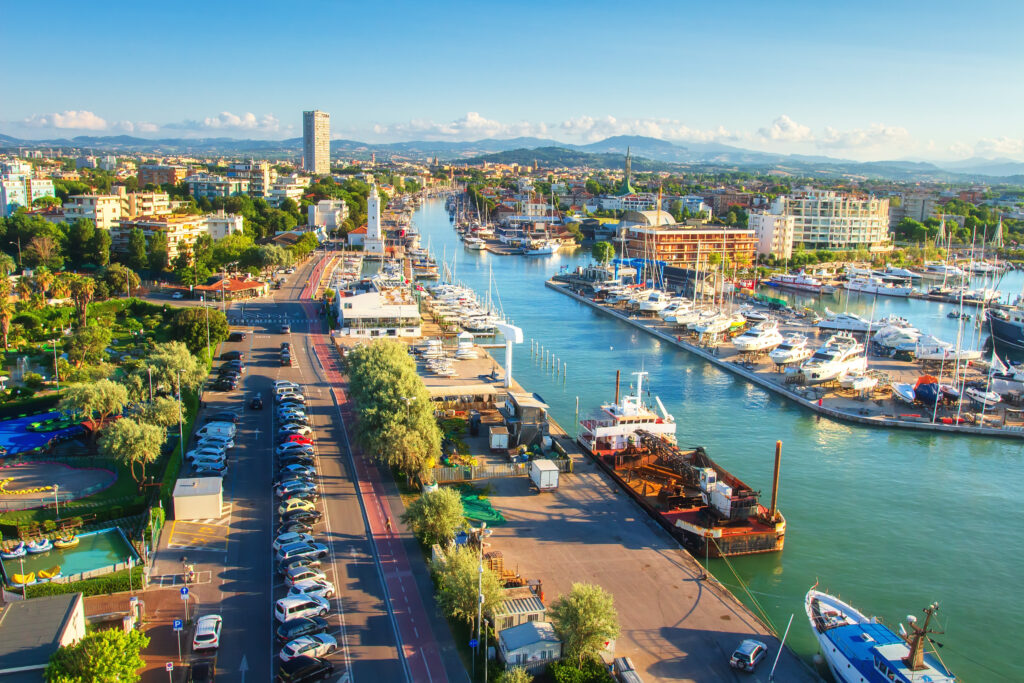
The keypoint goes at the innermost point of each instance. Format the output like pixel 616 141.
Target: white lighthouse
pixel 373 245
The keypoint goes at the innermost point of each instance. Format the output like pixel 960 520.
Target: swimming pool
pixel 96 550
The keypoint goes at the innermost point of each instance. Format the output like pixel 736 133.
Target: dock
pixel 842 406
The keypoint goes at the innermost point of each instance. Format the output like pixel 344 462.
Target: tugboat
pixel 860 649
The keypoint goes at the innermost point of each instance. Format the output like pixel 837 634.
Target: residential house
pixel 532 646
pixel 32 630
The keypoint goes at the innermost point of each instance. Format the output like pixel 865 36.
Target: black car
pixel 256 403
pixel 304 516
pixel 222 416
pixel 202 671
pixel 232 355
pixel 297 458
pixel 294 527
pixel 225 385
pixel 235 365
pixel 296 628
pixel 236 336
pixel 302 561
pixel 285 346
pixel 304 669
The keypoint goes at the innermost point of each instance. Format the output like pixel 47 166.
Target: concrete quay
pixel 838 406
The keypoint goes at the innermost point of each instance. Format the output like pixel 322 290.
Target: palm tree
pixel 23 288
pixel 43 279
pixel 6 309
pixel 59 287
pixel 82 289
pixel 7 265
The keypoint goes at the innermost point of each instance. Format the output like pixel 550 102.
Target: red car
pixel 295 438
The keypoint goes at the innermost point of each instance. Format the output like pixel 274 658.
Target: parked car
pixel 294 417
pixel 210 469
pixel 304 669
pixel 320 587
pixel 296 574
pixel 232 355
pixel 177 295
pixel 284 565
pixel 281 383
pixel 297 527
pixel 317 550
pixel 286 329
pixel 287 609
pixel 285 346
pixel 296 438
pixel 236 337
pixel 306 626
pixel 216 429
pixel 748 655
pixel 291 398
pixel 286 448
pixel 286 360
pixel 297 458
pixel 222 416
pixel 294 498
pixel 301 470
pixel 304 516
pixel 207 634
pixel 225 385
pixel 295 428
pixel 220 442
pixel 319 645
pixel 205 454
pixel 288 539
pixel 297 489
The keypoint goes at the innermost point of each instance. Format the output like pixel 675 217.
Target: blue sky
pixel 867 80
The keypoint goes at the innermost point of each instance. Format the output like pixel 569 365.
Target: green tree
pixel 81 234
pixel 189 326
pixel 7 264
pixel 106 656
pixel 130 442
pixel 119 278
pixel 95 402
pixel 99 248
pixel 158 251
pixel 603 252
pixel 136 258
pixel 44 250
pixel 171 361
pixel 81 289
pixel 436 516
pixel 514 674
pixel 6 310
pixel 162 412
pixel 87 343
pixel 458 579
pixel 585 619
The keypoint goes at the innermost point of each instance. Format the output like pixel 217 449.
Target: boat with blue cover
pixel 861 649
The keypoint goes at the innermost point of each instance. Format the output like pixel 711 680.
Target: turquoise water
pixel 890 520
pixel 94 551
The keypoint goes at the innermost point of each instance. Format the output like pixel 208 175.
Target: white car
pixel 295 428
pixel 321 588
pixel 293 447
pixel 208 453
pixel 287 414
pixel 221 442
pixel 281 383
pixel 297 608
pixel 296 574
pixel 285 539
pixel 292 398
pixel 209 464
pixel 319 645
pixel 207 635
pixel 177 295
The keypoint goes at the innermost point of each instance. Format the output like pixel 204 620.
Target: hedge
pixel 101 585
pixel 29 406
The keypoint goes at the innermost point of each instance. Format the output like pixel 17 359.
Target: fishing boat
pixel 860 649
pixel 903 391
pixel 981 398
pixel 843 322
pixel 836 357
pixel 14 552
pixel 708 509
pixel 876 285
pixel 763 336
pixel 795 348
pixel 66 542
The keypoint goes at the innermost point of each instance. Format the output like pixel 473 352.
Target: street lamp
pixel 480 533
pixel 56 501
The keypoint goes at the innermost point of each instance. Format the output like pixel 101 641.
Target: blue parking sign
pixel 178 624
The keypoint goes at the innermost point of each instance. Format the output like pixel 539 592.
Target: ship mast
pixel 916 640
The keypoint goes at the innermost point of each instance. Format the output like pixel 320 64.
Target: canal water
pixel 888 519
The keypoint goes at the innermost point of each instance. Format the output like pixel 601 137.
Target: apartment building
pixel 825 219
pixel 327 214
pixel 143 203
pixel 774 233
pixel 159 174
pixel 17 190
pixel 221 224
pixel 682 245
pixel 102 209
pixel 181 230
pixel 287 187
pixel 210 186
pixel 917 205
pixel 316 142
pixel 260 175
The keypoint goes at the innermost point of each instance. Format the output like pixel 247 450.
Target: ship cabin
pixel 526 416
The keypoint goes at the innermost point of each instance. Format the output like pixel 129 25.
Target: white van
pixel 216 429
pixel 298 607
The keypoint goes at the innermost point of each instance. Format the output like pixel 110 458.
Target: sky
pixel 867 80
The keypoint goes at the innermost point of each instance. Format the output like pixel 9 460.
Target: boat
pixel 795 348
pixel 861 649
pixel 43 545
pixel 903 273
pixel 940 271
pixel 926 390
pixel 929 348
pixel 858 380
pixel 763 336
pixel 14 552
pixel 23 579
pixel 716 324
pixel 903 391
pixel 656 301
pixel 981 398
pixel 833 359
pixel 1007 325
pixel 474 244
pixel 676 308
pixel 876 285
pixel 66 542
pixel 49 574
pixel 801 282
pixel 896 336
pixel 541 247
pixel 844 322
pixel 708 509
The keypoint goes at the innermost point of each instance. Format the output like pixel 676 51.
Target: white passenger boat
pixel 615 424
pixel 876 285
pixel 761 337
pixel 837 356
pixel 795 348
pixel 800 282
pixel 474 243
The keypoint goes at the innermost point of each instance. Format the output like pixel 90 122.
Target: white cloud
pixel 875 135
pixel 472 126
pixel 785 129
pixel 227 122
pixel 1002 146
pixel 77 120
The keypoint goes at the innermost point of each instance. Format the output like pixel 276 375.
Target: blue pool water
pixel 16 438
pixel 95 550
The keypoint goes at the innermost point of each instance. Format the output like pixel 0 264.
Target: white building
pixel 107 163
pixel 287 187
pixel 327 214
pixel 391 313
pixel 373 243
pixel 104 210
pixel 825 219
pixel 17 189
pixel 222 224
pixel 260 175
pixel 774 233
pixel 316 142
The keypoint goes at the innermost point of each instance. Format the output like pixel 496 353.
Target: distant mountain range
pixel 650 154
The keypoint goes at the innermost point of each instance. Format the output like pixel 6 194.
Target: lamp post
pixel 24 586
pixel 149 370
pixel 479 589
pixel 56 501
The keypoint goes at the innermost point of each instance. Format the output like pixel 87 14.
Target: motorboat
pixel 541 247
pixel 753 314
pixel 1007 325
pixel 800 282
pixel 656 301
pixel 474 243
pixel 858 380
pixel 980 397
pixel 703 317
pixel 937 270
pixel 903 391
pixel 795 348
pixel 861 649
pixel 833 359
pixel 675 308
pixel 929 348
pixel 876 285
pixel 761 337
pixel 904 273
pixel 716 324
pixel 896 336
pixel 926 390
pixel 844 322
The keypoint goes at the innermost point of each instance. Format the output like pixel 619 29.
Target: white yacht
pixel 675 308
pixel 656 301
pixel 904 273
pixel 858 380
pixel 876 285
pixel 937 270
pixel 474 243
pixel 931 348
pixel 836 357
pixel 793 349
pixel 542 247
pixel 761 337
pixel 801 282
pixel 896 336
pixel 703 317
pixel 844 322
pixel 716 324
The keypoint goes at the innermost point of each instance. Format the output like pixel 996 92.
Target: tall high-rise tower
pixel 316 142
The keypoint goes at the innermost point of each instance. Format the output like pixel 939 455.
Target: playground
pixel 29 485
pixel 36 433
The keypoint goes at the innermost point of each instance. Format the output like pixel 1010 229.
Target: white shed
pixel 198 498
pixel 499 437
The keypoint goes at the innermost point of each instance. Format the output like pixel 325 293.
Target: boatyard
pixel 875 409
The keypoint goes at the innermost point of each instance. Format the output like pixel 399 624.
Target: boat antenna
pixel 916 640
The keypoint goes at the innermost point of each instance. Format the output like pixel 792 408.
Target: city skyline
pixel 884 82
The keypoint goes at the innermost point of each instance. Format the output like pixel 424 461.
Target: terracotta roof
pixel 361 230
pixel 232 284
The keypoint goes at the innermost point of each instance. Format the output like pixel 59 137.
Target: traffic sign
pixel 178 624
pixel 184 592
pixel 473 642
pixel 169 666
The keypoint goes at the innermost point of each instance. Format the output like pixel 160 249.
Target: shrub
pixel 101 585
pixel 33 380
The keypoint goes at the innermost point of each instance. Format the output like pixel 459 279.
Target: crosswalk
pixel 246 320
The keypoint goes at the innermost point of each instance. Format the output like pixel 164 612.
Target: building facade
pixel 17 190
pixel 825 219
pixel 327 214
pixel 774 233
pixel 316 142
pixel 391 313
pixel 104 210
pixel 158 174
pixel 222 224
pixel 181 230
pixel 681 245
pixel 917 205
pixel 287 187
pixel 260 175
pixel 210 186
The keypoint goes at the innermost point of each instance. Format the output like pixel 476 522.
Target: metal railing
pixel 449 475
